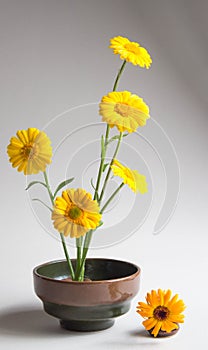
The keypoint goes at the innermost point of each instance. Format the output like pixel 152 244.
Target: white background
pixel 54 56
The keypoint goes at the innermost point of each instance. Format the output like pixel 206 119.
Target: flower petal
pixel 149 323
pixel 157 328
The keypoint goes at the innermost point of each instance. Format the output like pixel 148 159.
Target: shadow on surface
pixel 29 322
pixel 139 333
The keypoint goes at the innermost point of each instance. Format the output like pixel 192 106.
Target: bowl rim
pixel 113 280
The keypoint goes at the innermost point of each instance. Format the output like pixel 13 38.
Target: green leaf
pixel 100 223
pixel 45 205
pixel 105 166
pixel 113 139
pixel 62 184
pixel 116 137
pixel 34 183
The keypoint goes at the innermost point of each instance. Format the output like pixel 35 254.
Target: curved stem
pixel 109 169
pixel 79 257
pixel 119 75
pixel 87 241
pixel 119 141
pixel 67 257
pixel 71 270
pixel 111 197
pixel 102 161
pixel 88 236
pixel 48 187
pixel 107 134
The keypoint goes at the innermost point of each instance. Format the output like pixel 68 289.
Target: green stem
pixel 102 161
pixel 109 169
pixel 111 197
pixel 88 236
pixel 71 270
pixel 119 141
pixel 82 273
pixel 119 75
pixel 87 241
pixel 107 134
pixel 48 187
pixel 67 257
pixel 79 257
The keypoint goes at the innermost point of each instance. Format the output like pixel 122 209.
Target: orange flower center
pixel 29 151
pixel 133 48
pixel 122 109
pixel 74 212
pixel 161 313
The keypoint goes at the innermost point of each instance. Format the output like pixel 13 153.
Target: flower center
pixel 131 47
pixel 123 110
pixel 29 151
pixel 74 212
pixel 161 313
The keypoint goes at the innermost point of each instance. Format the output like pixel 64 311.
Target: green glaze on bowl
pixel 90 305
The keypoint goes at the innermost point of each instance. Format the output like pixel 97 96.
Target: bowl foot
pixel 86 326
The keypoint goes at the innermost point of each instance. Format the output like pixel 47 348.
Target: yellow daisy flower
pixel 124 110
pixel 132 178
pixel 75 213
pixel 131 52
pixel 30 151
pixel 161 311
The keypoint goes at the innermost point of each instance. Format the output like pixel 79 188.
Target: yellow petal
pixel 157 328
pixel 176 318
pixel 167 297
pixel 161 297
pixel 168 326
pixel 149 323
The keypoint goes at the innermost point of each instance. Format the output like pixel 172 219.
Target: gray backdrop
pixel 53 56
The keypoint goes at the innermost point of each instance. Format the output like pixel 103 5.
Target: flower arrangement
pixel 77 213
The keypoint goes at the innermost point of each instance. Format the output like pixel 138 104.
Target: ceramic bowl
pixel 90 305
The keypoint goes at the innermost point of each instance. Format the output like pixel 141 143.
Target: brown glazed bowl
pixel 90 305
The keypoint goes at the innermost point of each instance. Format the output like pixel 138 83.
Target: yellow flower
pixel 30 151
pixel 131 51
pixel 124 110
pixel 132 178
pixel 162 311
pixel 75 213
